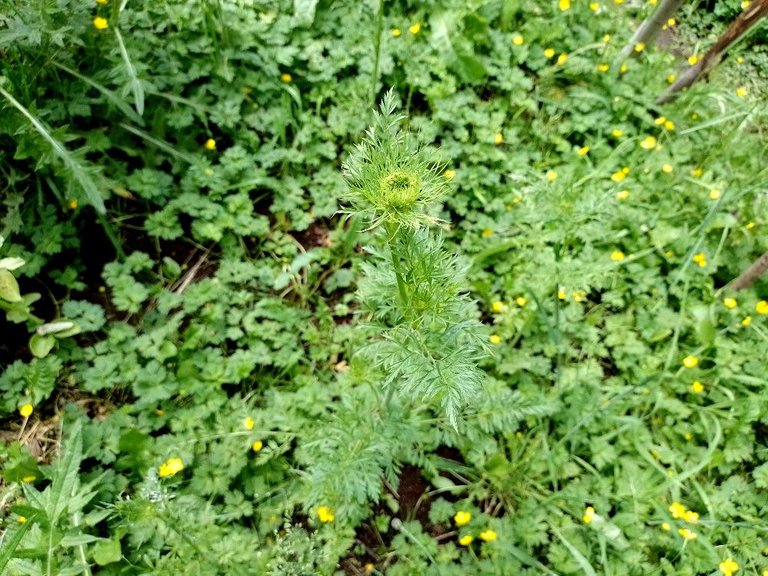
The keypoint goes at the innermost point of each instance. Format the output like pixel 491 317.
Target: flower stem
pixel 377 50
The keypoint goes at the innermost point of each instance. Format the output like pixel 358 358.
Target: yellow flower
pixel 487 233
pixel 761 307
pixel 396 32
pixel 667 168
pixel 690 516
pixel 687 534
pixel 617 256
pixel 697 172
pixel 517 40
pixel 583 151
pixel 21 519
pixel 665 526
pixel 28 479
pixel 488 535
pixel 26 410
pixel 693 59
pixel 603 67
pixel 594 6
pixel 285 77
pixel 257 445
pixel 248 423
pixel 494 339
pixel 369 568
pixel 579 296
pixel 498 306
pixel 171 467
pixel 671 22
pixel 671 79
pixel 700 259
pixel 741 91
pixel 728 566
pixel 660 120
pixel 697 388
pixel 623 69
pixel 449 174
pixel 623 195
pixel 648 143
pixel 617 133
pixel 415 28
pixel 606 38
pixel 551 175
pixel 589 515
pixel 750 225
pixel 669 125
pixel 521 301
pixel 72 205
pixel 745 4
pixel 549 52
pixel 640 46
pixel 747 321
pixel 562 59
pixel 498 139
pixel 325 514
pixel 564 5
pixel 688 436
pixel 561 295
pixel 462 518
pixel 466 540
pixel 739 60
pixel 690 361
pixel 619 175
pixel 677 510
pixel 100 23
pixel 210 144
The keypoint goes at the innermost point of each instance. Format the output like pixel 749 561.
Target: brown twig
pixel 748 277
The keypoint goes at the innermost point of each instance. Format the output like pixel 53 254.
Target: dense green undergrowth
pixel 242 335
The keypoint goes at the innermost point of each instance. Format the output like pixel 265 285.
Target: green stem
pixel 377 50
pixel 391 233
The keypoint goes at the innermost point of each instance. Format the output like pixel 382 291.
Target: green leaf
pixel 9 288
pixel 11 543
pixel 107 552
pixel 41 345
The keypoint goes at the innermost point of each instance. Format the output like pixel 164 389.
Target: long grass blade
pixel 136 85
pixel 78 171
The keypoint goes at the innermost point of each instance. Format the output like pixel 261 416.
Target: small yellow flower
pixel 730 303
pixel 561 295
pixel 594 6
pixel 494 339
pixel 549 53
pixel 28 479
pixel 369 568
pixel 396 32
pixel 579 296
pixel 761 307
pixel 671 79
pixel 415 28
pixel 498 306
pixel 619 175
pixel 21 519
pixel 690 516
pixel 488 535
pixel 648 143
pixel 551 175
pixel 466 540
pixel 589 515
pixel 248 423
pixel 741 92
pixel 462 518
pixel 623 195
pixel 690 361
pixel 667 168
pixel 498 139
pixel 747 321
pixel 487 233
pixel 750 225
pixel 606 38
pixel 729 565
pixel 72 205
pixel 325 514
pixel 688 436
pixel 100 23
pixel 687 534
pixel 583 151
pixel 257 445
pixel 693 59
pixel 665 526
pixel 618 1
pixel 660 120
pixel 669 126
pixel 617 256
pixel 562 59
pixel 449 174
pixel 700 259
pixel 517 40
pixel 671 22
pixel 745 4
pixel 286 78
pixel 739 60
pixel 697 172
pixel 640 46
pixel 623 69
pixel 714 194
pixel 171 467
pixel 603 67
pixel 564 5
pixel 521 301
pixel 210 144
pixel 617 133
pixel 26 410
pixel 697 388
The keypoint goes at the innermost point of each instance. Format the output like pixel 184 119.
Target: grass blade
pixel 136 85
pixel 6 553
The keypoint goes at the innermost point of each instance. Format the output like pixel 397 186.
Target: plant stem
pixel 377 51
pixel 391 231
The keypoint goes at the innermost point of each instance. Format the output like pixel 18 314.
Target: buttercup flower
pixel 640 46
pixel 396 32
pixel 549 53
pixel 730 303
pixel 583 151
pixel 415 28
pixel 648 143
pixel 286 78
pixel 488 535
pixel 747 321
pixel 665 526
pixel 171 467
pixel 728 567
pixel 693 59
pixel 551 175
pixel 325 514
pixel 714 194
pixel 498 139
pixel 617 133
pixel 494 339
pixel 761 307
pixel 466 540
pixel 671 79
pixel 687 534
pixel 741 92
pixel 617 256
pixel 564 5
pixel 100 23
pixel 210 144
pixel 248 423
pixel 562 59
pixel 257 445
pixel 690 361
pixel 697 388
pixel 589 515
pixel 667 168
pixel 623 195
pixel 700 259
pixel 26 410
pixel 517 40
pixel 462 518
pixel 521 301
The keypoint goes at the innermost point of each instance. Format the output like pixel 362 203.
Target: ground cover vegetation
pixel 400 288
